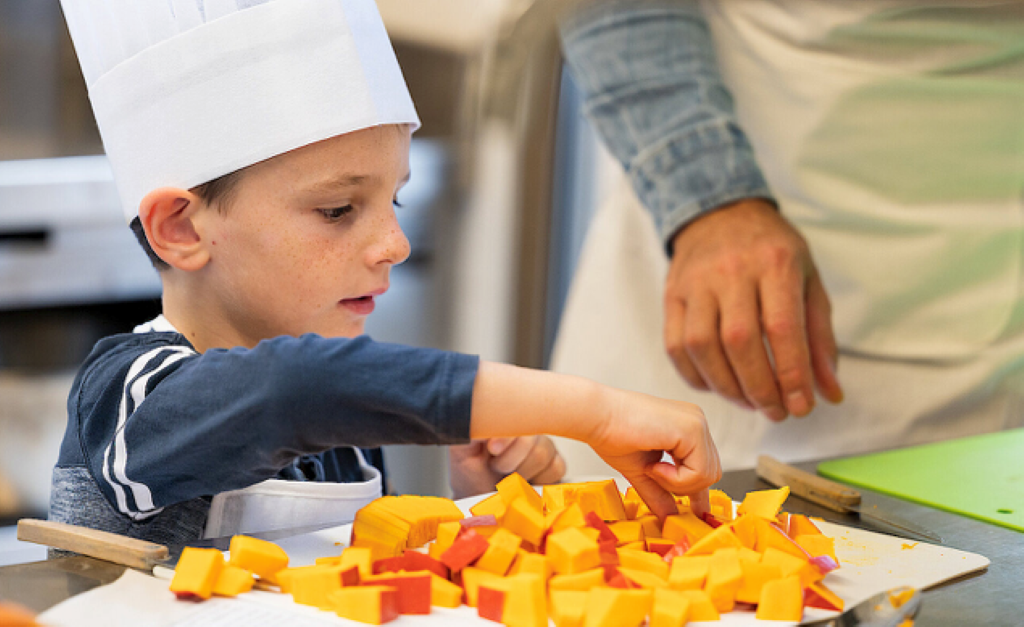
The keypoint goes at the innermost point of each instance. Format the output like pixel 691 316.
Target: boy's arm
pixel 630 431
pixel 158 425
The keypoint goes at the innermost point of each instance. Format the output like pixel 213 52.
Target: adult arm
pixel 739 271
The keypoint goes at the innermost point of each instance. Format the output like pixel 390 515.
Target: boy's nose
pixel 392 246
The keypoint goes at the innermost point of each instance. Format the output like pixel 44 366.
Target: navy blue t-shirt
pixel 155 429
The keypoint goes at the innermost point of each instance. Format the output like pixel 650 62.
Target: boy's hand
pixel 477 467
pixel 636 433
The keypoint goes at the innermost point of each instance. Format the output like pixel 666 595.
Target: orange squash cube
pixel 360 557
pixel 471 580
pixel 685 526
pixel 312 585
pixel 688 572
pixel 374 605
pixel 781 599
pixel 771 535
pixel 569 516
pixel 801 525
pixel 516 601
pixel 627 531
pixel 514 487
pixel 632 504
pixel 233 581
pixel 817 545
pixel 721 538
pixel 819 595
pixel 651 525
pixel 531 563
pixel 493 505
pixel 670 608
pixel 724 578
pixel 764 503
pixel 582 582
pixel 571 551
pixel 643 578
pixel 500 552
pixel 196 573
pixel 567 607
pixel 446 534
pixel 745 528
pixel 792 566
pixel 602 498
pixel 701 607
pixel 613 607
pixel 258 556
pixel 444 593
pixel 721 505
pixel 755 575
pixel 466 549
pixel 414 590
pixel 642 560
pixel 522 519
pixel 558 496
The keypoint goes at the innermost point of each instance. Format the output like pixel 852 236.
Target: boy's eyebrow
pixel 352 180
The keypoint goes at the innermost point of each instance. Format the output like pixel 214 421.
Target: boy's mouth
pixel 362 305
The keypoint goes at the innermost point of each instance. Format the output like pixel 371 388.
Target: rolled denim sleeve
pixel 652 88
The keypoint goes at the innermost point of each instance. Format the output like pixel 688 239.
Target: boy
pixel 262 145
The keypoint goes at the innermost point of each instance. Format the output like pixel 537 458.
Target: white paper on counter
pixel 869 563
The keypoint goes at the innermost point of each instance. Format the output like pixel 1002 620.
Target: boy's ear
pixel 167 218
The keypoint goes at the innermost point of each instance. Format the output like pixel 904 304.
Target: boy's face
pixel 307 239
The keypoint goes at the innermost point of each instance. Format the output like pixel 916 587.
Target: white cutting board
pixel 869 563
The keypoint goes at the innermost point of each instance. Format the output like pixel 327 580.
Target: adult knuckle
pixel 737 336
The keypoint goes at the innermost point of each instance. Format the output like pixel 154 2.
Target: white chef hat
pixel 185 91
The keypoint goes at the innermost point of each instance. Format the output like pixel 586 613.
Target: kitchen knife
pixel 885 609
pixel 131 552
pixel 837 497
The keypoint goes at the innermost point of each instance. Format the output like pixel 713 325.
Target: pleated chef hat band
pixel 185 91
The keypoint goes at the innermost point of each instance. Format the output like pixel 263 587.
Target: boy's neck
pixel 198 319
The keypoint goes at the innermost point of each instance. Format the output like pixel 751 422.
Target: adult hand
pixel 477 467
pixel 742 277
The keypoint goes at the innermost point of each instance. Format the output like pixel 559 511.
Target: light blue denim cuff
pixel 653 91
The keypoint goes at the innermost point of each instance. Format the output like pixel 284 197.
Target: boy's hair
pixel 216 192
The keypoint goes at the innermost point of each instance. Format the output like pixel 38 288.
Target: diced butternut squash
pixel 642 560
pixel 196 573
pixel 764 503
pixel 721 505
pixel 233 581
pixel 414 590
pixel 258 556
pixel 567 607
pixel 578 581
pixel 817 544
pixel 444 593
pixel 721 538
pixel 781 599
pixel 374 605
pixel 571 551
pixel 755 575
pixel 724 578
pixel 516 601
pixel 685 525
pixel 471 580
pixel 500 553
pixel 522 519
pixel 494 505
pixel 819 595
pixel 643 578
pixel 609 607
pixel 466 549
pixel 531 563
pixel 514 487
pixel 701 607
pixel 670 608
pixel 688 572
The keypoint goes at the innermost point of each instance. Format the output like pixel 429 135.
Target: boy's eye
pixel 336 213
pixel 396 204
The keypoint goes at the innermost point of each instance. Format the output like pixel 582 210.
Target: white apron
pixel 892 133
pixel 278 504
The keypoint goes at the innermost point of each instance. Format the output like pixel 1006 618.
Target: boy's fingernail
pixel 774 413
pixel 496 446
pixel 797 403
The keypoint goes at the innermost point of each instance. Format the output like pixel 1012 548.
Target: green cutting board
pixel 981 476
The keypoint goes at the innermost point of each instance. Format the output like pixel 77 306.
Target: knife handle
pixel 830 494
pixel 103 545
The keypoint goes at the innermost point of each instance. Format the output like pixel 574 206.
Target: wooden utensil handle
pixel 816 489
pixel 103 545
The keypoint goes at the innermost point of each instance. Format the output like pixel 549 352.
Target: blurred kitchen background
pixel 506 174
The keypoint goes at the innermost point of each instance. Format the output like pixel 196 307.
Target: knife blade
pixel 838 498
pixel 132 552
pixel 885 609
